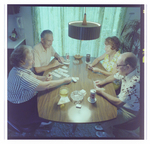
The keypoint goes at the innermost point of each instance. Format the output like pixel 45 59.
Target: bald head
pixel 129 58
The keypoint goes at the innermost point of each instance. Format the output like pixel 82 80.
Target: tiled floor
pixel 65 131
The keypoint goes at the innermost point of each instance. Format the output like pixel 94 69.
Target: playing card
pixel 56 75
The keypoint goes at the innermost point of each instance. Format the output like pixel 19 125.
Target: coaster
pixel 87 62
pixel 90 100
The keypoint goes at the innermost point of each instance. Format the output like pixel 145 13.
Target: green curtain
pixel 56 19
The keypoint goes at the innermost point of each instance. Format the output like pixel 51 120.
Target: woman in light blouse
pixel 23 86
pixel 109 58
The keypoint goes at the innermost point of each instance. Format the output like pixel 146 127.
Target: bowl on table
pixel 78 57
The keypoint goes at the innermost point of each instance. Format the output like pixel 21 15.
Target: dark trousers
pixel 24 113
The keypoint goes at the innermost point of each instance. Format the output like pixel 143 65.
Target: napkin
pixel 83 92
pixel 63 100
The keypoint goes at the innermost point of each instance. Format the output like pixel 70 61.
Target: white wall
pixel 25 13
pixel 136 15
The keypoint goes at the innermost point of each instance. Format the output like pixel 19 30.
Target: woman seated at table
pixel 23 85
pixel 109 58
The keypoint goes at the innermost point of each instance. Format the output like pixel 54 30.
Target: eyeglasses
pixel 120 65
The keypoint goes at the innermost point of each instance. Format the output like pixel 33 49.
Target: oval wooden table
pixel 99 111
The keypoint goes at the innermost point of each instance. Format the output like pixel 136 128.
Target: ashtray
pixel 76 61
pixel 77 56
pixel 77 96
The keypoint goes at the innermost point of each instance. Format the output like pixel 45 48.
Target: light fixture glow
pixel 79 115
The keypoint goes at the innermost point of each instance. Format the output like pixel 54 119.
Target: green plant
pixel 130 37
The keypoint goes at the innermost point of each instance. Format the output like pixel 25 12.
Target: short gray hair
pixel 46 32
pixel 19 55
pixel 131 60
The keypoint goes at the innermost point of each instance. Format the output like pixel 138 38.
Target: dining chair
pixel 129 125
pixel 21 129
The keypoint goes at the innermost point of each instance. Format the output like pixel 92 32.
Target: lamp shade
pixel 79 31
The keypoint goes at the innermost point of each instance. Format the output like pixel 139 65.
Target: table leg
pixel 74 127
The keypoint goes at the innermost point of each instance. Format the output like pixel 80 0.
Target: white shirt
pixel 42 57
pixel 21 85
pixel 130 90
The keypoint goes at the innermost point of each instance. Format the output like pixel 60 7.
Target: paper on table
pixel 56 70
pixel 60 69
pixel 61 73
pixel 77 78
pixel 66 62
pixel 55 74
pixel 64 67
pixel 63 100
pixel 74 80
pixel 83 92
pixel 64 74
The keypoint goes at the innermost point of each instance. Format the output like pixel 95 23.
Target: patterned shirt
pixel 130 90
pixel 21 85
pixel 109 65
pixel 42 57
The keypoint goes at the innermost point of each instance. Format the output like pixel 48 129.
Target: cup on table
pixel 67 56
pixel 92 95
pixel 87 58
pixel 63 92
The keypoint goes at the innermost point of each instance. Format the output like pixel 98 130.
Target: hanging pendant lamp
pixel 84 30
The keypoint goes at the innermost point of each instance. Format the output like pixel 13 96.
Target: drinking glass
pixel 67 56
pixel 63 92
pixel 87 58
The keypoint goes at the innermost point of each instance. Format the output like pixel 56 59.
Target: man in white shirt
pixel 128 101
pixel 43 52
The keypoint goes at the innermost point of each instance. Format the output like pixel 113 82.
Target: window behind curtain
pixel 56 19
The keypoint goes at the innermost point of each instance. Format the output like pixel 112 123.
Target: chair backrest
pixel 20 129
pixel 14 127
pixel 130 125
